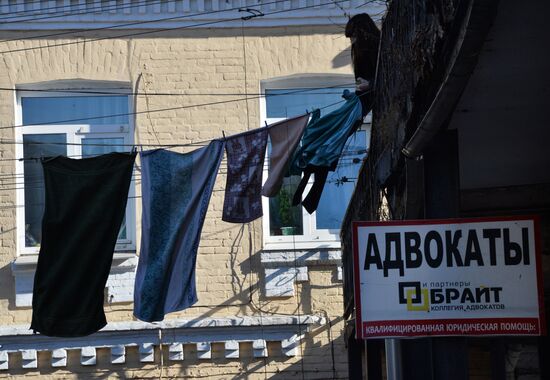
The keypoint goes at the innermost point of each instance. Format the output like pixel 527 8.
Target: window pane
pixel 285 219
pixel 34 180
pixel 295 104
pixel 98 146
pixel 340 183
pixel 56 109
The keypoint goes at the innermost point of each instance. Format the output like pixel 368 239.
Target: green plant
pixel 285 208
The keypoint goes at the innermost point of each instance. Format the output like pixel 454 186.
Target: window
pixel 48 131
pixel 286 226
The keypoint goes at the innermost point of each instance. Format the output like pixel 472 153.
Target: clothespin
pixel 266 125
pixel 224 138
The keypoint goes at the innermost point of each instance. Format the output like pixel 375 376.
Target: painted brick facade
pixel 230 270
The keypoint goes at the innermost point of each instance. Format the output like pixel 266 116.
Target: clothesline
pixel 37 179
pixel 348 179
pixel 348 160
pixel 343 162
pixel 197 143
pixel 175 190
pixel 66 121
pixel 344 153
pixel 37 184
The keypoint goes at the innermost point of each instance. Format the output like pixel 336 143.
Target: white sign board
pixel 448 277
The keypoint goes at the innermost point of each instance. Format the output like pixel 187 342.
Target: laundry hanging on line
pixel 322 144
pixel 85 203
pixel 245 161
pixel 176 190
pixel 285 137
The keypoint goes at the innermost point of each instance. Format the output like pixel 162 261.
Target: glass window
pixel 285 219
pixel 98 146
pixel 35 146
pixel 286 226
pixel 340 183
pixel 285 103
pixel 63 109
pixel 45 133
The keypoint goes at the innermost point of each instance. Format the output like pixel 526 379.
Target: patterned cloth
pixel 245 160
pixel 85 204
pixel 285 137
pixel 176 190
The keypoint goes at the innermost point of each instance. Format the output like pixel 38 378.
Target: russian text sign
pixel 448 277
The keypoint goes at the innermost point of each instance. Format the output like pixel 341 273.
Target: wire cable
pixel 54 14
pixel 127 24
pixel 155 110
pixel 161 29
pixel 105 92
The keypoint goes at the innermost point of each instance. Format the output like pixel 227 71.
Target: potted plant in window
pixel 286 213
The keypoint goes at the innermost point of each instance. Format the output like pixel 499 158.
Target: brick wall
pixel 202 61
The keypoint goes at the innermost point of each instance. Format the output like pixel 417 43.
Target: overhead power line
pixel 118 25
pixel 122 25
pixel 126 145
pixel 114 92
pixel 56 14
pixel 156 110
pixel 163 29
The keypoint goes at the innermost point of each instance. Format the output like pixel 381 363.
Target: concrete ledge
pixel 230 331
pixel 308 257
pixel 283 268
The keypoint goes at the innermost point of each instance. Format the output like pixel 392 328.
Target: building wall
pixel 229 267
pixel 505 102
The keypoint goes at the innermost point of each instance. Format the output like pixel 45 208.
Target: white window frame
pixel 312 238
pixel 75 134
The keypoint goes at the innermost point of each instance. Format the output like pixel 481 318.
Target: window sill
pixel 29 261
pixel 285 267
pixel 119 284
pixel 301 245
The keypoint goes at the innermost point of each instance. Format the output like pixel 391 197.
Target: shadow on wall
pixel 318 356
pixel 317 363
pixel 7 286
pixel 342 59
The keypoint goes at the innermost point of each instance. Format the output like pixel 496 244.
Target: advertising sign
pixel 448 277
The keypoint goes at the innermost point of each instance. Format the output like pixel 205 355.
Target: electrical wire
pixel 164 29
pixel 55 14
pixel 31 178
pixel 110 8
pixel 25 2
pixel 157 110
pixel 303 371
pixel 92 92
pixel 126 24
pixel 21 179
